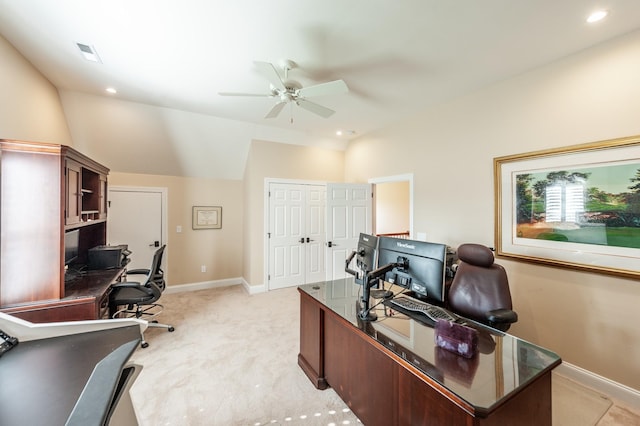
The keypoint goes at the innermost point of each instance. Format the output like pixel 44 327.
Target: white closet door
pixel 315 233
pixel 297 234
pixel 286 228
pixel 349 209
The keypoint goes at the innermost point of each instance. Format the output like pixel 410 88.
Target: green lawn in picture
pixel 617 237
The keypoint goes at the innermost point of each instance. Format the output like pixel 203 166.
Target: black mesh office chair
pixel 139 298
pixel 480 288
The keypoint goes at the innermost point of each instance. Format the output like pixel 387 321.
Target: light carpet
pixel 574 404
pixel 233 361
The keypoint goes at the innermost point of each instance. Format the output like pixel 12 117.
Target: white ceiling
pixel 397 57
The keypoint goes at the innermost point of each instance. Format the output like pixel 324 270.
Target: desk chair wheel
pixel 144 345
pixel 170 328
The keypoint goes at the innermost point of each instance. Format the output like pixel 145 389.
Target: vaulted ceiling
pixel 396 57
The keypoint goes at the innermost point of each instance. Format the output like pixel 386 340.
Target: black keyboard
pixel 431 311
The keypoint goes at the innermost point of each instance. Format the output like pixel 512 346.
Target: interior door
pixel 296 234
pixel 349 209
pixel 135 218
pixel 314 245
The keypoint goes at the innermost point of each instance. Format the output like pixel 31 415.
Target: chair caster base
pixel 171 329
pixel 144 345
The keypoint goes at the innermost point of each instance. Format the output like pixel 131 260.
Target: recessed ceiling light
pixel 596 16
pixel 111 90
pixel 88 52
pixel 345 133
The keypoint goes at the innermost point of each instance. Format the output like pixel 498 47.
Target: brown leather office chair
pixel 480 288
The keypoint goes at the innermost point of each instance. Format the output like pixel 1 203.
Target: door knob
pixel 309 240
pixel 329 244
pixel 301 241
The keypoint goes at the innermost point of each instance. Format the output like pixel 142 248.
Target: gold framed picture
pixel 574 207
pixel 207 217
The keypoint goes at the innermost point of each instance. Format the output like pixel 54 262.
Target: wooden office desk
pixel 86 298
pixel 390 372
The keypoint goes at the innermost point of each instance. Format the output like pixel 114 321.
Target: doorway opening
pixel 393 206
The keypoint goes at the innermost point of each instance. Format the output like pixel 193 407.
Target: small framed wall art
pixel 207 217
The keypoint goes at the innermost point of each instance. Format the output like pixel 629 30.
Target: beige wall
pixel 591 320
pixel 280 161
pixel 30 109
pixel 219 249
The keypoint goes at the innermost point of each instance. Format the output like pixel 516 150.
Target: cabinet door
pixel 102 208
pixel 73 205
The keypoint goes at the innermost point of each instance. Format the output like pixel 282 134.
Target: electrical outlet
pixel 203 268
pixel 179 229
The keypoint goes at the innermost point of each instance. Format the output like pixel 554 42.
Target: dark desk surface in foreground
pixel 42 380
pixel 414 381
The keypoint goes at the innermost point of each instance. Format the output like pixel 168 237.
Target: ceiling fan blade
pixel 335 87
pixel 260 95
pixel 275 110
pixel 269 72
pixel 315 108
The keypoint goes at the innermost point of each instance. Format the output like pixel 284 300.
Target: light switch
pixel 179 229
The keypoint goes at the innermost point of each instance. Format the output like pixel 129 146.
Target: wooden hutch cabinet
pixel 45 190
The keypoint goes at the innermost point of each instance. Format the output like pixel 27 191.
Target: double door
pixel 312 230
pixel 296 234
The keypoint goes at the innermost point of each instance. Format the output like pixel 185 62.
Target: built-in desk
pixel 86 298
pixel 390 372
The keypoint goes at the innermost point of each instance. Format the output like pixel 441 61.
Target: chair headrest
pixel 475 254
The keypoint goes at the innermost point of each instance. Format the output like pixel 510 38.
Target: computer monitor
pixel 71 245
pixel 420 266
pixel 366 261
pixel 365 255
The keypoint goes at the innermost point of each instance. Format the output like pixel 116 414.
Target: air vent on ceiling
pixel 88 52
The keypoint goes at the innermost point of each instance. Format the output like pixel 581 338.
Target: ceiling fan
pixel 291 92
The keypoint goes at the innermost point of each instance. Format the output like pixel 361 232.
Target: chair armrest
pixel 126 284
pixel 138 272
pixel 502 316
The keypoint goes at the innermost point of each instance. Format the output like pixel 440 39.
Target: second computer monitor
pixel 366 253
pixel 421 266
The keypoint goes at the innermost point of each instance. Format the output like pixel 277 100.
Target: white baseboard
pixel 254 289
pixel 614 390
pixel 251 289
pixel 203 285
